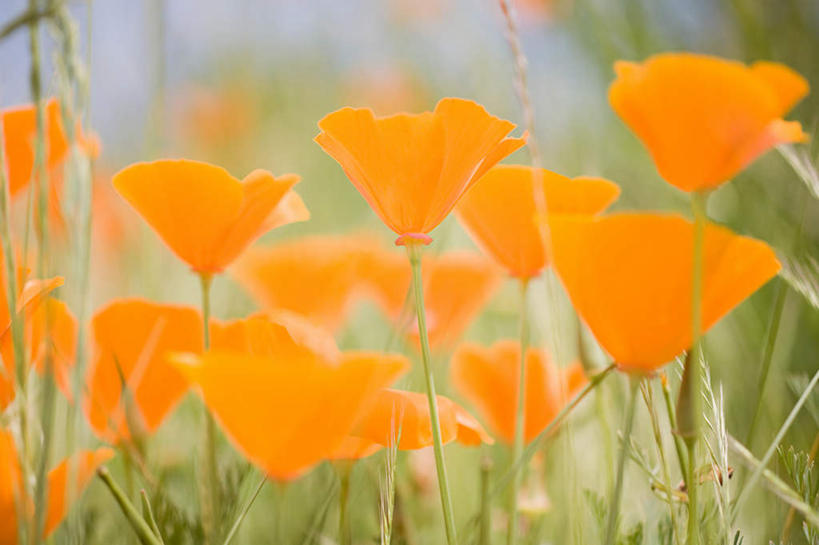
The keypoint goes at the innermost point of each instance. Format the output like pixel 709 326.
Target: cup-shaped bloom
pixel 316 277
pixel 206 216
pixel 292 407
pixel 413 168
pixel 500 212
pixel 80 467
pixel 129 380
pixel 489 379
pixel 19 126
pixel 629 276
pixel 704 119
pixel 402 418
pixel 457 285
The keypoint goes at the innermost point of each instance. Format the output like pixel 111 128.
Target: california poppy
pixel 404 416
pixel 130 341
pixel 629 277
pixel 704 119
pixel 500 212
pixel 457 285
pixel 82 467
pixel 413 168
pixel 205 215
pixel 289 409
pixel 489 378
pixel 317 277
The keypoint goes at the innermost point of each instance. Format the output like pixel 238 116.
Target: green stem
pixel 692 490
pixel 414 254
pixel 143 531
pixel 243 513
pixel 344 534
pixel 614 505
pixel 486 503
pixel 672 420
pixel 520 416
pixel 210 494
pixel 648 397
pixel 148 515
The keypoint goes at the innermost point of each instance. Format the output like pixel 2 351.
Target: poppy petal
pixel 81 467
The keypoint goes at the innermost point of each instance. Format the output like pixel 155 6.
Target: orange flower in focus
pixel 629 276
pixel 292 407
pixel 500 212
pixel 401 415
pixel 457 285
pixel 82 465
pixel 130 341
pixel 488 378
pixel 316 277
pixel 704 119
pixel 413 168
pixel 205 215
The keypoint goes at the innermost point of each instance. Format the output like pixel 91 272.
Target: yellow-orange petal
pixel 286 416
pixel 316 277
pixel 412 168
pixel 354 448
pixel 704 119
pixel 130 341
pixel 10 488
pixel 488 378
pixel 629 278
pixel 500 211
pixel 52 330
pixel 81 468
pixel 206 216
pixel 398 415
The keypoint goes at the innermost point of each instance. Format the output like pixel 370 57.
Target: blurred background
pixel 242 84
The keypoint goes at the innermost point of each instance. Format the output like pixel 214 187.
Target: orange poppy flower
pixel 629 277
pixel 33 293
pixel 206 216
pixel 316 277
pixel 457 285
pixel 19 127
pixel 82 467
pixel 488 378
pixel 401 415
pixel 704 119
pixel 130 341
pixel 289 409
pixel 499 212
pixel 413 168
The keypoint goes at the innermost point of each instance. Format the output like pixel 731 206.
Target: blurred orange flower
pixel 205 215
pixel 317 277
pixel 629 277
pixel 457 285
pixel 704 119
pixel 499 212
pixel 401 415
pixel 289 409
pixel 130 341
pixel 60 496
pixel 488 378
pixel 413 168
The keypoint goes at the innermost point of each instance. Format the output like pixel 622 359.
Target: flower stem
pixel 520 415
pixel 210 492
pixel 414 254
pixel 344 535
pixel 143 530
pixel 672 420
pixel 243 513
pixel 486 503
pixel 614 505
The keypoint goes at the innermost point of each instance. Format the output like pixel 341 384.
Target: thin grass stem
pixel 520 414
pixel 628 426
pixel 141 528
pixel 243 513
pixel 414 254
pixel 210 492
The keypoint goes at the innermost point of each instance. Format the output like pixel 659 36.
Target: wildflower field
pixel 409 272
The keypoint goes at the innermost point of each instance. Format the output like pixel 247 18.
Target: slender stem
pixel 414 254
pixel 486 502
pixel 520 415
pixel 210 494
pixel 143 530
pixel 767 358
pixel 672 420
pixel 148 515
pixel 344 534
pixel 628 423
pixel 648 397
pixel 243 513
pixel 694 402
